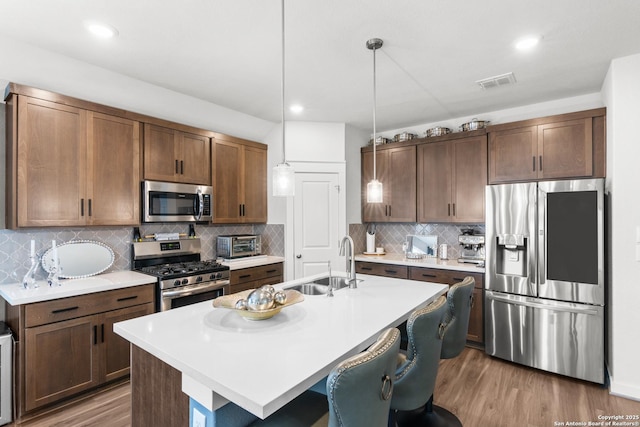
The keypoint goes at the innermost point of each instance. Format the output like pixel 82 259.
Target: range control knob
pixel 213 276
pixel 185 281
pixel 176 283
pixel 198 279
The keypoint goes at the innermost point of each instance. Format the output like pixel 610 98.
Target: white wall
pixel 621 91
pixel 314 142
pixel 25 64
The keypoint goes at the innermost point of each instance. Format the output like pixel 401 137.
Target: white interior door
pixel 317 227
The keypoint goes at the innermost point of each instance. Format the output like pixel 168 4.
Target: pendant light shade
pixel 374 187
pixel 283 180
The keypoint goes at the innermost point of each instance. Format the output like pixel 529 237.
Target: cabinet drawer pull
pixel 62 310
pixel 458 279
pixel 127 298
pixel 391 271
pixel 366 268
pixel 271 271
pixel 433 276
pixel 244 276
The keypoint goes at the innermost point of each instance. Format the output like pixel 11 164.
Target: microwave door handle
pixel 199 206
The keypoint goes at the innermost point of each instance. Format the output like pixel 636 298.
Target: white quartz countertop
pixel 254 261
pixel 399 259
pixel 15 294
pixel 262 365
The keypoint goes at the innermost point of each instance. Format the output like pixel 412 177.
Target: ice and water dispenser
pixel 511 254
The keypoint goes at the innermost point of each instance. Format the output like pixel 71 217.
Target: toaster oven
pixel 238 245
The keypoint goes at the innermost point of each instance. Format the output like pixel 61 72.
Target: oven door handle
pixel 194 291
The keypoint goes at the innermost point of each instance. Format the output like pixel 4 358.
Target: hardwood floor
pixel 482 391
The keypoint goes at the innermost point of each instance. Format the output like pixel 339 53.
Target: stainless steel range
pixel 183 278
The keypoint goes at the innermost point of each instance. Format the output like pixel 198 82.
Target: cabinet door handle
pixel 243 211
pixel 81 207
pixel 533 162
pixel 127 298
pixel 448 209
pixel 95 334
pixel 176 166
pixel 389 210
pixel 454 209
pixel 181 167
pixel 102 333
pixel 62 310
pixel 89 207
pixel 540 163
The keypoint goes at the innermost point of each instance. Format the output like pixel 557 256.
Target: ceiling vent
pixel 497 81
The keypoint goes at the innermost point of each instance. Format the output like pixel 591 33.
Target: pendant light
pixel 283 174
pixel 374 187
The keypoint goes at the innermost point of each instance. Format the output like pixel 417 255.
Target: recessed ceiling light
pixel 296 108
pixel 527 43
pixel 100 30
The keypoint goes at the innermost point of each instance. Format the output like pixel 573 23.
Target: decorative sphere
pixel 269 289
pixel 241 304
pixel 260 299
pixel 280 297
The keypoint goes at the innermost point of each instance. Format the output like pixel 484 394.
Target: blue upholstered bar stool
pixel 359 391
pixel 455 326
pixel 417 369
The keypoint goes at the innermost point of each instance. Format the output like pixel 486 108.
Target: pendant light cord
pixel 282 85
pixel 374 114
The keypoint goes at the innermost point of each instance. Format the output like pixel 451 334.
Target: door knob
pixel 299 256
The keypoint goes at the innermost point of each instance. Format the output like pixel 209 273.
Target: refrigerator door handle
pixel 542 235
pixel 528 303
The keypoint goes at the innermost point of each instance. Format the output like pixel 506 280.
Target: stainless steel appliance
pixel 472 251
pixel 183 278
pixel 544 296
pixel 238 245
pixel 173 202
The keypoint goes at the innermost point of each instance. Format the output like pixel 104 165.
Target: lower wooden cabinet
pixel 379 269
pixel 475 332
pixel 450 277
pixel 67 346
pixel 254 277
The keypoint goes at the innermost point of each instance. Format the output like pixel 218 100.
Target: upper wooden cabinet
pixel 239 181
pixel 564 146
pixel 452 175
pixel 176 156
pixel 60 165
pixel 396 170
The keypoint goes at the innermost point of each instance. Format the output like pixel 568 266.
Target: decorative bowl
pixel 229 302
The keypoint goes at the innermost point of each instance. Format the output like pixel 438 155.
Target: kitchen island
pixel 259 366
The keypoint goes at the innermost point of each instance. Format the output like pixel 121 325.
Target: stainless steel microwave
pixel 173 202
pixel 238 245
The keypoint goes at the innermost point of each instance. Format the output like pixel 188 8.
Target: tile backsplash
pixel 391 236
pixel 15 245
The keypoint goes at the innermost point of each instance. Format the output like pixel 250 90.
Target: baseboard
pixel 627 391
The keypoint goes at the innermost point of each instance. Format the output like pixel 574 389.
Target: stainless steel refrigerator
pixel 544 299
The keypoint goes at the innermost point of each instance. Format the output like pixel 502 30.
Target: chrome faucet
pixel 351 266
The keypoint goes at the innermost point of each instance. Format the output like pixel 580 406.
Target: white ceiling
pixel 228 51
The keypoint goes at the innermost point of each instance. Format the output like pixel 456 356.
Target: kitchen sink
pixel 321 286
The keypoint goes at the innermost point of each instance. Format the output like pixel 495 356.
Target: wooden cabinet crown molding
pixel 596 112
pixel 18 89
